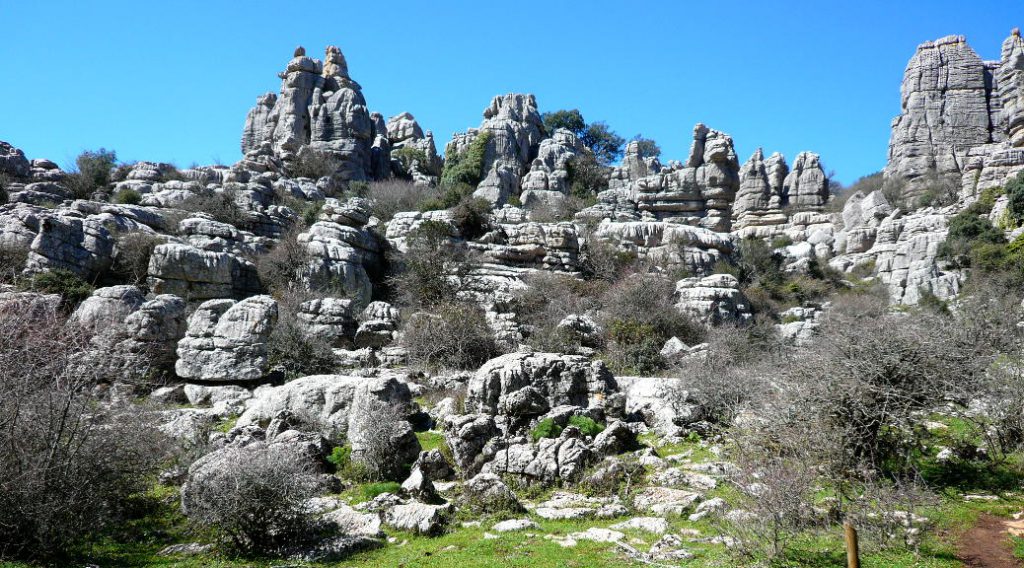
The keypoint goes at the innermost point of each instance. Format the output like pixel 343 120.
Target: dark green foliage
pixel 601 140
pixel 766 284
pixel 466 167
pixel 972 240
pixel 127 196
pixel 648 148
pixel 72 288
pixel 570 120
pixel 470 216
pixel 222 206
pixel 448 196
pixel 546 428
pixel 586 177
pixel 94 171
pixel 4 182
pixel 587 425
pixel 1015 193
pixel 407 155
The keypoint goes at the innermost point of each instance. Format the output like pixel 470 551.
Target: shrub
pixel 393 196
pixel 407 156
pixel 546 300
pixel 471 217
pixel 256 500
pixel 586 425
pixel 5 181
pixel 457 336
pixel 71 287
pixel 132 252
pixel 939 191
pixel 128 196
pixel 604 261
pixel 223 206
pixel 12 262
pixel 340 456
pixel 546 428
pixel 1015 195
pixel 71 463
pixel 313 164
pixel 290 349
pixel 281 269
pixel 467 167
pixel 781 242
pixel 93 172
pixel 424 273
pixel 587 177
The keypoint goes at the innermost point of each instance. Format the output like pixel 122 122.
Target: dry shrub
pixel 547 299
pixel 223 206
pixel 71 462
pixel 454 336
pixel 12 262
pixel 255 500
pixel 393 196
pixel 313 164
pixel 281 269
pixel 131 257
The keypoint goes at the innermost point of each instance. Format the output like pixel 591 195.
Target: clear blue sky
pixel 172 81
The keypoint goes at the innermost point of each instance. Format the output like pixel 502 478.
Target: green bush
pixel 128 196
pixel 72 288
pixel 371 490
pixel 586 177
pixel 447 197
pixel 586 425
pixel 545 429
pixel 340 456
pixel 94 171
pixel 1015 194
pixel 781 241
pixel 467 167
pixel 407 155
pixel 471 217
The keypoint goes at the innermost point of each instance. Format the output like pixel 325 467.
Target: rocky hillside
pixel 347 347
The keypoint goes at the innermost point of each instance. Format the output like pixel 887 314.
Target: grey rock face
pixel 13 161
pixel 341 250
pixel 330 319
pixel 226 340
pixel 108 307
pixel 319 107
pixel 328 398
pixel 548 178
pixel 419 518
pixel 667 244
pixel 467 434
pixel 549 246
pixel 557 379
pixel 378 325
pixel 548 460
pixel 713 299
pixel 958 112
pixel 806 184
pixel 486 492
pixel 516 129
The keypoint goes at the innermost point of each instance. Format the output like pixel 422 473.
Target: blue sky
pixel 172 81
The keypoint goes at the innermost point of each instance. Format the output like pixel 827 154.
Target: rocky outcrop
pixel 13 161
pixel 342 251
pixel 667 244
pixel 329 319
pixel 713 299
pixel 961 117
pixel 319 107
pixel 547 182
pixel 549 246
pixel 806 185
pixel 227 340
pixel 516 129
pixel 107 308
pixel 523 384
pixel 413 153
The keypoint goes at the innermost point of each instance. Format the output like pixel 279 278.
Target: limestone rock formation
pixel 547 182
pixel 806 185
pixel 13 161
pixel 516 130
pixel 227 340
pixel 509 384
pixel 961 117
pixel 319 107
pixel 713 299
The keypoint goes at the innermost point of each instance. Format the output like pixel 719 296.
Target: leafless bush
pixel 70 462
pixel 291 349
pixel 255 500
pixel 313 164
pixel 281 269
pixel 454 336
pixel 776 500
pixel 131 256
pixel 223 206
pixel 12 262
pixel 383 443
pixel 547 299
pixel 392 196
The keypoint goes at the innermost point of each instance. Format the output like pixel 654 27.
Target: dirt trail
pixel 987 545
